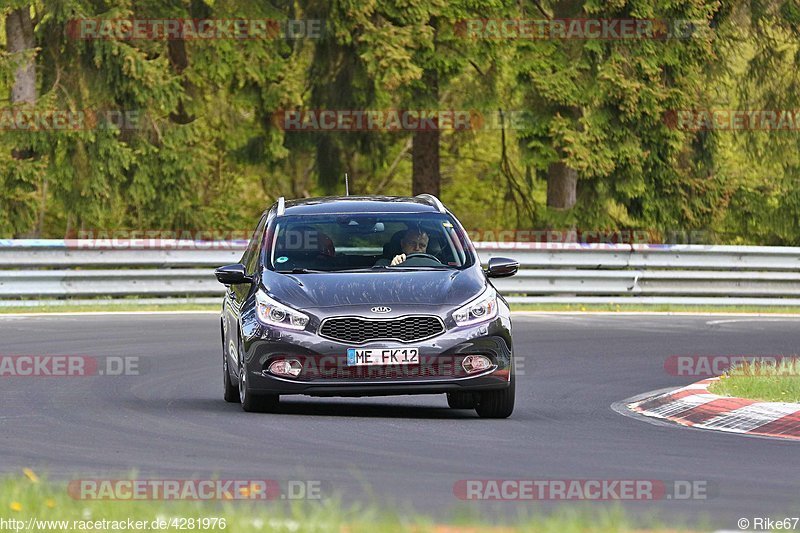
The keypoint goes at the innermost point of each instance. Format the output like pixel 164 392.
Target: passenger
pixel 305 247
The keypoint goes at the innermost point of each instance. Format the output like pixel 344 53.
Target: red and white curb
pixel 694 406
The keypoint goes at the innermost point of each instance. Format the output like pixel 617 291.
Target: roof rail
pixel 281 206
pixel 432 200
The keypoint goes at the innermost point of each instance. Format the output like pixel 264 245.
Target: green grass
pixel 110 308
pixel 765 381
pixel 576 308
pixel 659 308
pixel 22 498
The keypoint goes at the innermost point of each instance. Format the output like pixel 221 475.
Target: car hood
pixel 434 288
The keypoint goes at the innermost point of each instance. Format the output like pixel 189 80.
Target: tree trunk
pixel 425 163
pixel 20 41
pixel 426 177
pixel 562 184
pixel 329 165
pixel 176 49
pixel 42 209
pixel 562 181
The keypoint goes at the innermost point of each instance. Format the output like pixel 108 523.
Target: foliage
pixel 201 148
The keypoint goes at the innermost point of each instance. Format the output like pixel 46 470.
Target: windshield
pixel 370 241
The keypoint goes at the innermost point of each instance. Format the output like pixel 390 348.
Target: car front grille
pixel 357 330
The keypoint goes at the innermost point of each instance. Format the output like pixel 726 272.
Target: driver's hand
pixel 398 259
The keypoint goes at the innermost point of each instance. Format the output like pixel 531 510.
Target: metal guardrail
pixel 55 270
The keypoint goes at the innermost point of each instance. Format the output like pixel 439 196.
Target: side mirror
pixel 500 267
pixel 232 274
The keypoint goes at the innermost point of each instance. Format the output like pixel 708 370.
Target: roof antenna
pixel 346 185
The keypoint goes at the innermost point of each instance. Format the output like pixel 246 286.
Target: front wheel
pixel 231 391
pixel 461 400
pixel 251 402
pixel 496 403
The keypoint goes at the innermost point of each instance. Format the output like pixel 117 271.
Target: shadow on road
pixel 368 409
pixel 371 409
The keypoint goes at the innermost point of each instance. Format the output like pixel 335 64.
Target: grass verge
pixel 110 308
pixel 30 498
pixel 766 381
pixel 659 308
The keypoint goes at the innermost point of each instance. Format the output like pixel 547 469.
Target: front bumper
pixel 325 371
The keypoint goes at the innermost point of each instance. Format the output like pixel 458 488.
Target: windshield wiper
pixel 397 268
pixel 426 267
pixel 298 270
pixel 373 269
pixel 362 269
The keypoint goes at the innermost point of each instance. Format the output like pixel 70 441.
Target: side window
pixel 250 257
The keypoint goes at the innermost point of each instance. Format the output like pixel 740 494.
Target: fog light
pixel 286 367
pixel 476 363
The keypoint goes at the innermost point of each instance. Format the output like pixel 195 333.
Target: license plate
pixel 382 356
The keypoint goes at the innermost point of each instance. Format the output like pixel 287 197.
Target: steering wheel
pixel 422 256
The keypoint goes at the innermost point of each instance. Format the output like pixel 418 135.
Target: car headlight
pixel 482 308
pixel 273 313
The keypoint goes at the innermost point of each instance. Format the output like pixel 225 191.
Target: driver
pixel 414 241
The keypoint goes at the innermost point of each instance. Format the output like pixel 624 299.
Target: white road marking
pixel 750 417
pixel 760 318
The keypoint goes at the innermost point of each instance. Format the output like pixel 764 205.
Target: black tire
pixel 496 403
pixel 262 403
pixel 231 391
pixel 251 402
pixel 461 400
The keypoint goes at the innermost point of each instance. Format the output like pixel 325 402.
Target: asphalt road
pixel 171 421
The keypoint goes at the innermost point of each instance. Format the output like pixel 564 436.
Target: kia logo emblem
pixel 381 309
